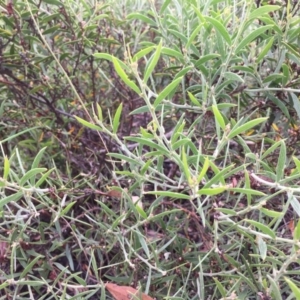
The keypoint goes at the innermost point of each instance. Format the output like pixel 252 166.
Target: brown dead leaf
pixel 126 292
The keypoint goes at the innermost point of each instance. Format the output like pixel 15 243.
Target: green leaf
pixel 185 166
pixel 297 163
pixel 295 204
pixel 297 232
pixel 6 168
pixel 116 120
pixel 265 50
pixel 142 53
pixel 203 170
pixel 271 213
pixel 88 124
pixel 293 287
pixel 100 115
pixel 169 194
pixel 296 103
pixel 250 37
pixel 220 287
pixel 153 62
pixel 262 247
pixel 29 266
pixel 149 143
pixel 193 35
pixel 173 53
pixel 110 58
pixel 166 91
pixel 264 229
pixel 212 191
pixel 194 99
pixel 31 173
pixel 14 197
pixel 54 2
pixel 247 191
pixel 239 129
pixel 233 76
pixel 281 164
pixel 206 58
pixel 218 117
pixel 263 10
pixel 38 158
pixel 43 178
pixel 286 74
pixel 124 76
pixel 220 28
pixel 164 6
pixel 141 17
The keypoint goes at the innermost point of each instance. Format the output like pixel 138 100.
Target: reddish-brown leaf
pixel 125 292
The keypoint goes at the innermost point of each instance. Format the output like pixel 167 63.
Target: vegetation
pixel 151 145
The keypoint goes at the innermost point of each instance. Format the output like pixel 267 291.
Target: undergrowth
pixel 151 144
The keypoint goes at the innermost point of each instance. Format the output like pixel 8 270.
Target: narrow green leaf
pixel 141 17
pixel 153 62
pixel 88 124
pixel 38 158
pixel 271 149
pixel 169 194
pixel 250 37
pixel 30 265
pixel 262 247
pixel 292 49
pixel 297 163
pixel 123 157
pixel 220 287
pixel 193 36
pixel 6 168
pixel 100 115
pixel 265 50
pixel 43 178
pixel 296 103
pixel 66 209
pixel 164 6
pixel 233 76
pixel 263 10
pixel 218 117
pixel 116 120
pixel 142 53
pixel 194 99
pixel 14 197
pixel 220 28
pixel 286 74
pixel 149 143
pixel 185 166
pixel 31 173
pixel 263 228
pixel 295 204
pixel 205 58
pixel 212 191
pixel 110 58
pixel 141 212
pixel 297 232
pixel 203 170
pixel 293 287
pixel 271 213
pixel 235 131
pixel 247 191
pixel 173 53
pixel 166 91
pixel 274 288
pixel 281 164
pixel 124 76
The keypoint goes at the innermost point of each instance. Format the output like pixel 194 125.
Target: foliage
pixel 150 144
